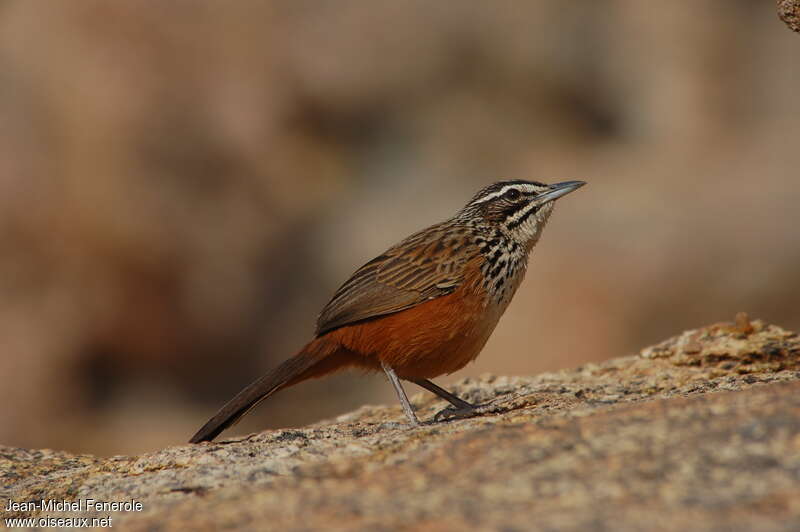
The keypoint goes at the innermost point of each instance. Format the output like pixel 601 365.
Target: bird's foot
pixel 498 405
pixel 451 412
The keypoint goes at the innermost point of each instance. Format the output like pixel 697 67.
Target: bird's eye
pixel 512 194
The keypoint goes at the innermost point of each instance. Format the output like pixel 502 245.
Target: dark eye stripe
pixel 521 220
pixel 492 190
pixel 511 210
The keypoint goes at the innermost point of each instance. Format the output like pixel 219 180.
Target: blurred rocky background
pixel 183 185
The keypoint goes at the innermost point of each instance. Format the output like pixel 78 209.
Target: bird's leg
pixel 444 394
pixel 401 394
pixel 460 409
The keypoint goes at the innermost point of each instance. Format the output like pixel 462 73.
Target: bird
pixel 423 308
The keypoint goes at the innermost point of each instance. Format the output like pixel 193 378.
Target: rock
pixel 700 432
pixel 789 12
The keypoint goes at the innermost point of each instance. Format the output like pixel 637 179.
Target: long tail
pixel 317 358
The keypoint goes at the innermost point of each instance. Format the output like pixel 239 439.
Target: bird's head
pixel 518 209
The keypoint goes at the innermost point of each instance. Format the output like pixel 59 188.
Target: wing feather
pixel 414 271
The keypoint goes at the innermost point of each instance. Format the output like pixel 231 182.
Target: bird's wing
pixel 426 265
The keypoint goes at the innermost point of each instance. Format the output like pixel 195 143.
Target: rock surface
pixel 789 12
pixel 700 432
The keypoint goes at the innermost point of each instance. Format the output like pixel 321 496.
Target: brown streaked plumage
pixel 425 307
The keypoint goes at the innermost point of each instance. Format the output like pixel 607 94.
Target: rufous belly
pixel 431 339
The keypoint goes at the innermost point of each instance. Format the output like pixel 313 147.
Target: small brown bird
pixel 423 308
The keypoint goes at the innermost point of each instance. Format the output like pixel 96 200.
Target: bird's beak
pixel 557 190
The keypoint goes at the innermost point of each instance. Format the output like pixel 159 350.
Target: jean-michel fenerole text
pixel 80 505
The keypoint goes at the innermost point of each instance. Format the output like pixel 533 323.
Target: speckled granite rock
pixel 700 432
pixel 789 12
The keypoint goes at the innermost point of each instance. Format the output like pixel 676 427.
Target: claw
pixel 451 413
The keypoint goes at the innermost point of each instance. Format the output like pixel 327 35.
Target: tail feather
pixel 296 369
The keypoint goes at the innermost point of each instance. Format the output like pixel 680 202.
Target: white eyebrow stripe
pixel 484 199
